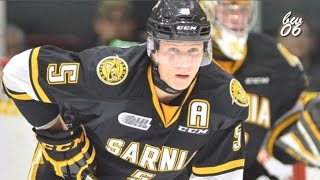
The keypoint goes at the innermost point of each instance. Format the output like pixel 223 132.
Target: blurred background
pixel 79 24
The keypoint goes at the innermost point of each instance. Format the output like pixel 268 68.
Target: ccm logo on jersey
pixel 256 80
pixel 187 28
pixel 134 121
pixel 192 130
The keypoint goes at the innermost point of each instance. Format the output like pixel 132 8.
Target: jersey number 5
pixel 237 135
pixel 67 73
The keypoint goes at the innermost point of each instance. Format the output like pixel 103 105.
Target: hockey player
pixel 143 112
pixel 271 75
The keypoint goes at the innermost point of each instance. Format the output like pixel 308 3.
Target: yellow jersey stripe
pixel 301 146
pixel 184 100
pixel 270 143
pixel 88 161
pixel 35 76
pixel 169 112
pixel 306 97
pixel 293 153
pixel 154 96
pixel 18 96
pixel 218 169
pixel 231 66
pixel 312 125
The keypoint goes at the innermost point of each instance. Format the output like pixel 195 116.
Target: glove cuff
pixel 70 152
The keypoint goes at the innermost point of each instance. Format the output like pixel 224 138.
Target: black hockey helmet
pixel 177 20
pixel 182 20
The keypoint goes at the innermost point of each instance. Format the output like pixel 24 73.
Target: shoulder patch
pixel 292 60
pixel 238 94
pixel 112 70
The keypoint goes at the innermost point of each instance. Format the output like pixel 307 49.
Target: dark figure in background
pixel 273 78
pixel 15 42
pixel 114 21
pixel 304 46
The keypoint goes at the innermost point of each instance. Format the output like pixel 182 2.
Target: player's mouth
pixel 182 76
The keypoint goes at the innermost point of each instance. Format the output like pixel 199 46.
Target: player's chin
pixel 181 83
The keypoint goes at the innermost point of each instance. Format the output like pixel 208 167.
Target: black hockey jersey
pixel 273 79
pixel 111 92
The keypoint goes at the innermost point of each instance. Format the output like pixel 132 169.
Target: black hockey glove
pixel 70 153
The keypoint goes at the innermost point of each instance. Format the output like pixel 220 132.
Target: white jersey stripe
pixel 12 75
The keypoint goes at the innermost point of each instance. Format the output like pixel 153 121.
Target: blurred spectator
pixel 114 21
pixel 304 47
pixel 141 11
pixel 15 40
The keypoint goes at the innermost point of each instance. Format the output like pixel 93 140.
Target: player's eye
pixel 193 50
pixel 173 50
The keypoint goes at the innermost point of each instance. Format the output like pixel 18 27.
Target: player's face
pixel 234 16
pixel 179 62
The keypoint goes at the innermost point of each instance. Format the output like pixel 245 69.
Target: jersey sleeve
pixel 222 157
pixel 50 74
pixel 38 77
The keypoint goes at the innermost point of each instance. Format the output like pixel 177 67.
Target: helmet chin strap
pixel 160 83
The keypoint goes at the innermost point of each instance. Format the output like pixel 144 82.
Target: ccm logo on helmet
pixel 187 28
